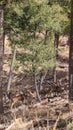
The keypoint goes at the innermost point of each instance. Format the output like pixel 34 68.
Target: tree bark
pixel 56 42
pixel 11 69
pixel 37 89
pixel 71 57
pixel 42 79
pixel 1 59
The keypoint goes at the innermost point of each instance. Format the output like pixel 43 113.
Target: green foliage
pixel 32 16
pixel 32 25
pixel 61 123
pixel 42 56
pixel 39 56
pixel 17 64
pixel 70 126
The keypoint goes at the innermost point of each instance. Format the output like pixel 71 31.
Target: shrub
pixel 70 126
pixel 61 123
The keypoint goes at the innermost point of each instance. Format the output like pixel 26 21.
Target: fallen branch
pixel 54 128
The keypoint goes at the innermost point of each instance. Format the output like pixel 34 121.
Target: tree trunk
pixel 71 57
pixel 56 42
pixel 42 79
pixel 11 69
pixel 37 89
pixel 1 59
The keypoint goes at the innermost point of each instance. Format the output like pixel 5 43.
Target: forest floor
pixel 53 112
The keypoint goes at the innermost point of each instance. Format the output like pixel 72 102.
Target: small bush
pixel 70 126
pixel 61 123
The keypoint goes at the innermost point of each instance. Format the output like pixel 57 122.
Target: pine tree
pixel 33 24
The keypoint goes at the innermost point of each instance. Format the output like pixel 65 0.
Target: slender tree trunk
pixel 56 42
pixel 37 89
pixel 11 69
pixel 71 57
pixel 1 59
pixel 42 79
pixel 3 42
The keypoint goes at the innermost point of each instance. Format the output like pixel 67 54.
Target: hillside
pixel 54 96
